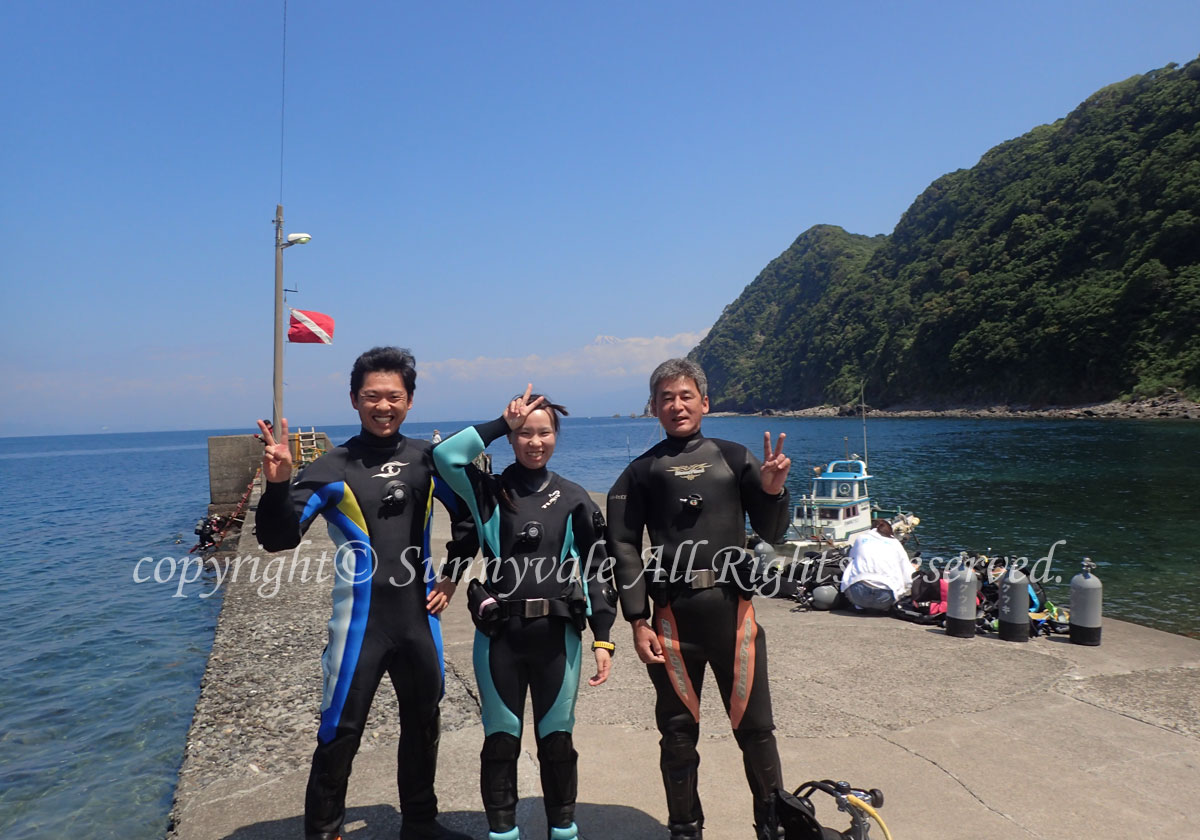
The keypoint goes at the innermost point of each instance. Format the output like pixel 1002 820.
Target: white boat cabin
pixel 839 506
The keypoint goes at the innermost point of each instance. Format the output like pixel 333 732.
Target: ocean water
pixel 100 673
pixel 102 669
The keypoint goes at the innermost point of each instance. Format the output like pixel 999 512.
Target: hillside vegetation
pixel 1064 267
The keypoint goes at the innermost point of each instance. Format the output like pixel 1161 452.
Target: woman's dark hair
pixel 388 359
pixel 551 408
pixel 882 526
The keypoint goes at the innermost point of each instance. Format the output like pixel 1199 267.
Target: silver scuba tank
pixel 962 587
pixel 1014 605
pixel 1087 596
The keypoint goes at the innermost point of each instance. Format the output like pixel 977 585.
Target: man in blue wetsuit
pixel 376 493
pixel 692 495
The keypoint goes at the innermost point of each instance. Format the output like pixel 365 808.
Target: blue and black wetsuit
pixel 692 496
pixel 540 534
pixel 383 573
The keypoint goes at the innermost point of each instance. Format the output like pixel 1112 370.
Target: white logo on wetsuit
pixel 553 498
pixel 690 471
pixel 390 469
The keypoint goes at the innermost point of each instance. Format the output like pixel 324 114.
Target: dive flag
pixel 310 328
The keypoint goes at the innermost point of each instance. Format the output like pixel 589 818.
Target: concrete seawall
pixel 967 738
pixel 233 461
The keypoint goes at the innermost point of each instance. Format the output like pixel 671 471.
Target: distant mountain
pixel 1063 267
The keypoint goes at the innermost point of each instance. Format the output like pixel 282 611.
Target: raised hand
pixel 775 466
pixel 277 457
pixel 520 408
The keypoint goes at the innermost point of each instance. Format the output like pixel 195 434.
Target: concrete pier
pixel 967 738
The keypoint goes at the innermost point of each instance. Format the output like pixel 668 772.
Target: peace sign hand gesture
pixel 775 466
pixel 520 408
pixel 277 457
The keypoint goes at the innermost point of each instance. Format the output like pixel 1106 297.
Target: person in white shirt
pixel 879 573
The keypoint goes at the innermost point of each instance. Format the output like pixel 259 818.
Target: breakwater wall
pixel 233 461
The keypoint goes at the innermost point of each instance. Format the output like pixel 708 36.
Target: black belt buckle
pixel 537 607
pixel 703 579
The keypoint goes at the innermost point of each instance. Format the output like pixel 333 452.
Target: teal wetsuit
pixel 539 532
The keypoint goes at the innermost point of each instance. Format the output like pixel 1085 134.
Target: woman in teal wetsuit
pixel 544 576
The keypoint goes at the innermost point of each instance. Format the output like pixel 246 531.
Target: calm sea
pixel 101 672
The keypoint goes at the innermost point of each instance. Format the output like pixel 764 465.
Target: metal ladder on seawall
pixel 307 446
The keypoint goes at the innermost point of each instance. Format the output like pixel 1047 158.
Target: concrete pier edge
pixel 974 738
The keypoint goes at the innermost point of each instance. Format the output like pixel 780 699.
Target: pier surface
pixel 967 738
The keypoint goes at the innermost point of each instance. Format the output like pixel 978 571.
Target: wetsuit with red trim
pixel 692 496
pixel 376 495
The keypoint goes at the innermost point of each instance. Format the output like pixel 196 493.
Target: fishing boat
pixel 837 510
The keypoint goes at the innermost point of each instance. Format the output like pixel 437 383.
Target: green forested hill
pixel 1064 267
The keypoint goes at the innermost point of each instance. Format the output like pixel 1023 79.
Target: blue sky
pixel 494 185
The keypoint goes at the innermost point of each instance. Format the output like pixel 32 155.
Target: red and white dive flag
pixel 310 328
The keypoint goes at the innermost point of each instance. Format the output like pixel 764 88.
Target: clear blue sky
pixel 493 185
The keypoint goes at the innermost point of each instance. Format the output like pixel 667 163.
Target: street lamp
pixel 280 244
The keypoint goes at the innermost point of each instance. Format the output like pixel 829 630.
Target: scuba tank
pixel 961 590
pixel 1087 594
pixel 1014 605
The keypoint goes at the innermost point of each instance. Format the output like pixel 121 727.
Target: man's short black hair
pixel 388 359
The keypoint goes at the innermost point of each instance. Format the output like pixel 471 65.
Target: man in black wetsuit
pixel 692 494
pixel 376 493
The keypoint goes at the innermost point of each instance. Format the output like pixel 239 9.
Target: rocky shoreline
pixel 1173 407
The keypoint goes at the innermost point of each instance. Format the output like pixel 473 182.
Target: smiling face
pixel 533 443
pixel 382 402
pixel 679 407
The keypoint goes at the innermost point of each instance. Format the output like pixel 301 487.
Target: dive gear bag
pixel 797 816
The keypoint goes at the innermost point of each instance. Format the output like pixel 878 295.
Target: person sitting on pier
pixel 376 492
pixel 879 573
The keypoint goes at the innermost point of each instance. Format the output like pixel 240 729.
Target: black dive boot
pixel 680 765
pixel 498 784
pixel 558 761
pixel 760 758
pixel 325 796
pixel 687 831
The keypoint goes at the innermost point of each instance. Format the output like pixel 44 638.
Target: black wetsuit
pixel 692 495
pixel 538 654
pixel 382 574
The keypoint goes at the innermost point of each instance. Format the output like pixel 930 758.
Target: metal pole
pixel 277 411
pixel 862 403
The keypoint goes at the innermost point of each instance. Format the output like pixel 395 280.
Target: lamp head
pixel 298 238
